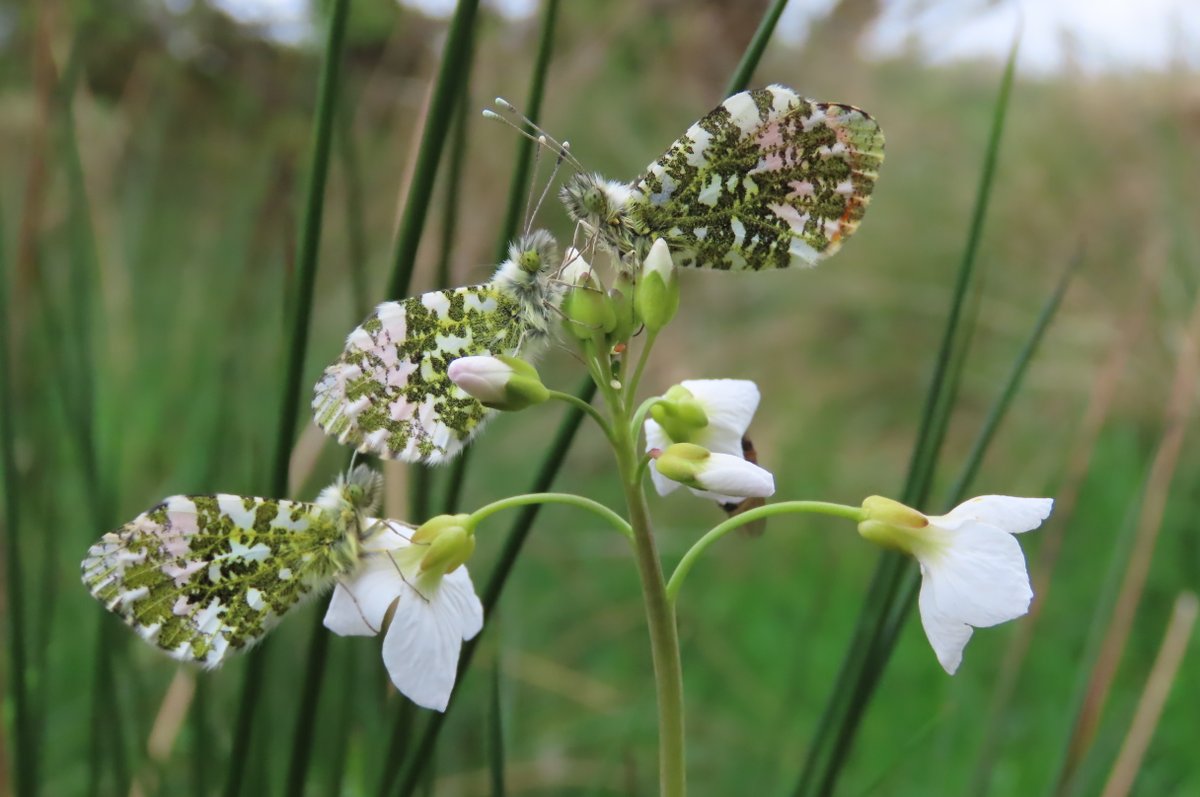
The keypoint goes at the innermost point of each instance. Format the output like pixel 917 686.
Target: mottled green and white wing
pixel 768 179
pixel 203 577
pixel 389 393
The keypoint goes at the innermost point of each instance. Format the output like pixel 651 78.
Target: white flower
pixel 973 572
pixel 725 406
pixel 433 614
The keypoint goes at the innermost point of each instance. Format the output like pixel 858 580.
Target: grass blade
pixel 864 660
pixel 1154 697
pixel 744 71
pixel 1178 412
pixel 24 743
pixel 512 213
pixel 300 308
pixel 459 39
pixel 495 734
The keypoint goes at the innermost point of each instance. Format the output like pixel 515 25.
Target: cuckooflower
pixel 423 583
pixel 500 382
pixel 973 572
pixel 711 413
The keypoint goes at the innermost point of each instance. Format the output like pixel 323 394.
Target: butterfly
pixel 205 576
pixel 767 179
pixel 389 394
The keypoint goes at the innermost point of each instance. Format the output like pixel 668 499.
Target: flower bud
pixel 622 297
pixel 658 292
pixel 500 382
pixel 679 414
pixel 448 551
pixel 588 309
pixel 433 528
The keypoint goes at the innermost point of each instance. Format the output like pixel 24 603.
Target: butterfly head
pixel 357 491
pixel 600 205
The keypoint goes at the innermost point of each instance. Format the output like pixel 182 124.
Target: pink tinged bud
pixel 501 382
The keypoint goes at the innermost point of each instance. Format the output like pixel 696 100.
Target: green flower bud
pixel 588 310
pixel 658 292
pixel 624 309
pixel 679 414
pixel 448 551
pixel 682 462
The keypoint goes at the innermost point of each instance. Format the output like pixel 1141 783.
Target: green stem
pixel 579 403
pixel 594 507
pixel 660 613
pixel 643 358
pixel 639 417
pixel 437 127
pixel 684 567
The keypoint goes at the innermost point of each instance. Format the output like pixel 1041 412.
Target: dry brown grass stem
pixel 172 712
pixel 1154 696
pixel 1178 410
pixel 1101 397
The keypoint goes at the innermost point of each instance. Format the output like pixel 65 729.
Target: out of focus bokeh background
pixel 153 164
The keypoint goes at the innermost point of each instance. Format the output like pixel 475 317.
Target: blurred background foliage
pixel 152 161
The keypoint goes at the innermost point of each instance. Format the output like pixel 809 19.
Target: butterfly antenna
pixel 530 211
pixel 558 162
pixel 528 125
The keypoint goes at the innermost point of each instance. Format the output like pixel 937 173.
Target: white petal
pixel 1006 513
pixel 365 597
pixel 343 616
pixel 421 649
pixel 735 477
pixel 730 405
pixel 946 634
pixel 657 438
pixel 980 576
pixel 458 593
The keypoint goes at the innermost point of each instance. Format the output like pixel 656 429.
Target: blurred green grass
pixel 191 168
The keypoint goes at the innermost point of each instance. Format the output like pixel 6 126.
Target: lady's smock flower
pixel 973 572
pixel 711 413
pixel 435 606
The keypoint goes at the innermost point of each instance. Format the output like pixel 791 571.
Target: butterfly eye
pixel 530 261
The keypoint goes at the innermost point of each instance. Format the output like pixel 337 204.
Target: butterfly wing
pixel 389 395
pixel 205 576
pixel 768 179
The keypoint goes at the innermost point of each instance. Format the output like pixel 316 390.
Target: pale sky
pixel 1096 35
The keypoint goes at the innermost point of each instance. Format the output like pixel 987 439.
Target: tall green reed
pixel 23 739
pixel 299 310
pixel 870 645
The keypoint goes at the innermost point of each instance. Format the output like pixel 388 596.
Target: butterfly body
pixel 204 576
pixel 389 394
pixel 767 179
